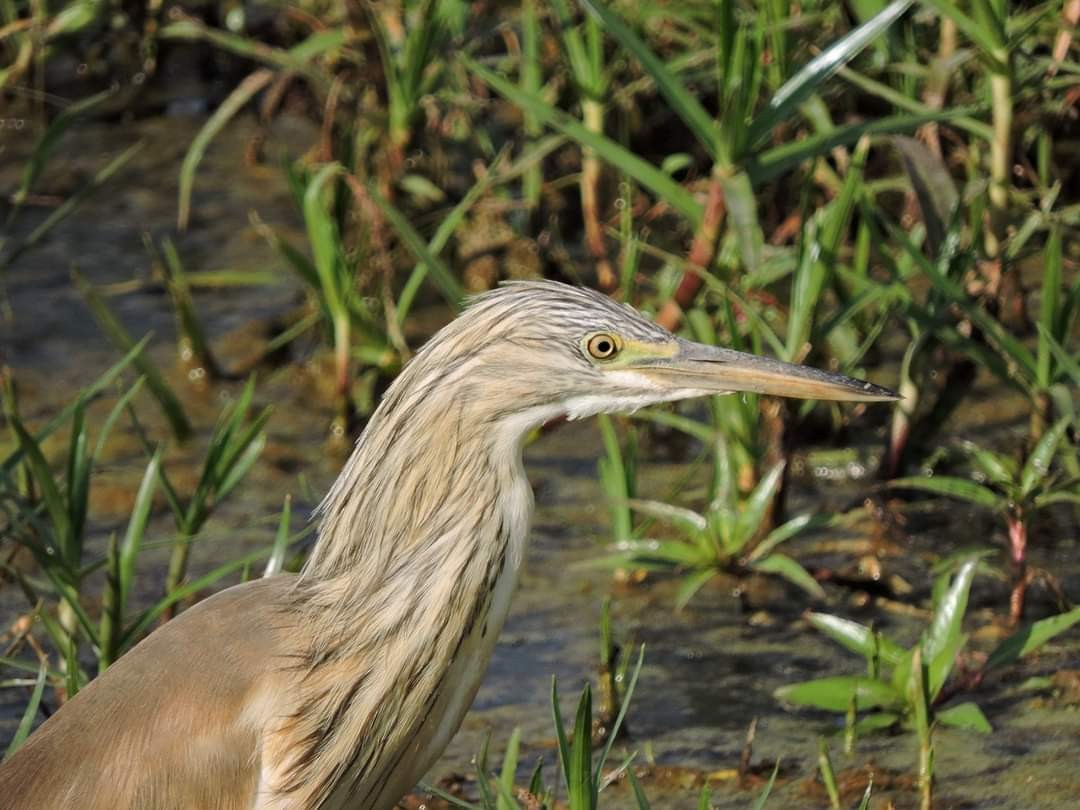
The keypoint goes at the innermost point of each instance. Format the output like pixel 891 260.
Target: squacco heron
pixel 341 686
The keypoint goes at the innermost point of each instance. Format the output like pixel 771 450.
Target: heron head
pixel 549 349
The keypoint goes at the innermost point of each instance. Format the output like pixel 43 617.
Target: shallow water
pixel 709 669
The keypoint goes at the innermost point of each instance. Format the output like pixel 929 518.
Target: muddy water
pixel 709 670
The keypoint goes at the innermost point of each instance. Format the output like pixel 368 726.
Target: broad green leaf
pixel 790 570
pixel 834 694
pixel 952 487
pixel 857 637
pixel 753 509
pixel 1037 466
pixel 944 637
pixel 933 186
pixel 876 722
pixel 966 716
pixel 686 520
pixel 1030 638
pixel 998 467
pixel 806 82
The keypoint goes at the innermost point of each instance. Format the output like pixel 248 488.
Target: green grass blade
pixel 281 541
pixel 444 279
pixel 952 487
pixel 623 708
pixel 1050 293
pixel 763 797
pixel 163 393
pixel 643 172
pixel 682 101
pixel 88 393
pixel 233 103
pixel 508 772
pixel 29 713
pixel 806 82
pixel 773 162
pixel 784 566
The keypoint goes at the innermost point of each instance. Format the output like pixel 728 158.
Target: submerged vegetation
pixel 886 189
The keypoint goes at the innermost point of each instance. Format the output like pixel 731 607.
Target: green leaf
pixel 1050 294
pixel 444 279
pixel 953 487
pixel 944 638
pixel 686 520
pixel 766 791
pixel 966 716
pixel 1030 638
pixel 631 684
pixel 1037 466
pixel 753 509
pixel 691 584
pixel 984 37
pixel 790 570
pixel 639 793
pixel 806 82
pixel 29 713
pixel 1069 363
pixel 136 530
pixel 233 103
pixel 509 770
pixel 834 694
pixel 857 637
pixel 579 783
pixel 933 186
pixel 773 162
pixel 281 541
pixel 682 101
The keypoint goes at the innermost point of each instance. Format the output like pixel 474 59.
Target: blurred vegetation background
pixel 889 190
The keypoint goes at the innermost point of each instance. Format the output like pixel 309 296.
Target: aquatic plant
pixel 907 686
pixel 726 537
pixel 1014 491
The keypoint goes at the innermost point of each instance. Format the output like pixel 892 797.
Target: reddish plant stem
pixel 1018 535
pixel 702 252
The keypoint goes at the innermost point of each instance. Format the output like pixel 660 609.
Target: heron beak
pixel 713 369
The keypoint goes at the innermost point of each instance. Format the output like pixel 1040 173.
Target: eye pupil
pixel 602 347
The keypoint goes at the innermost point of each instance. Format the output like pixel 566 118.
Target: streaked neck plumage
pixel 417 556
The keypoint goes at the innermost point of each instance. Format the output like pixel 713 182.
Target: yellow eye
pixel 603 346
